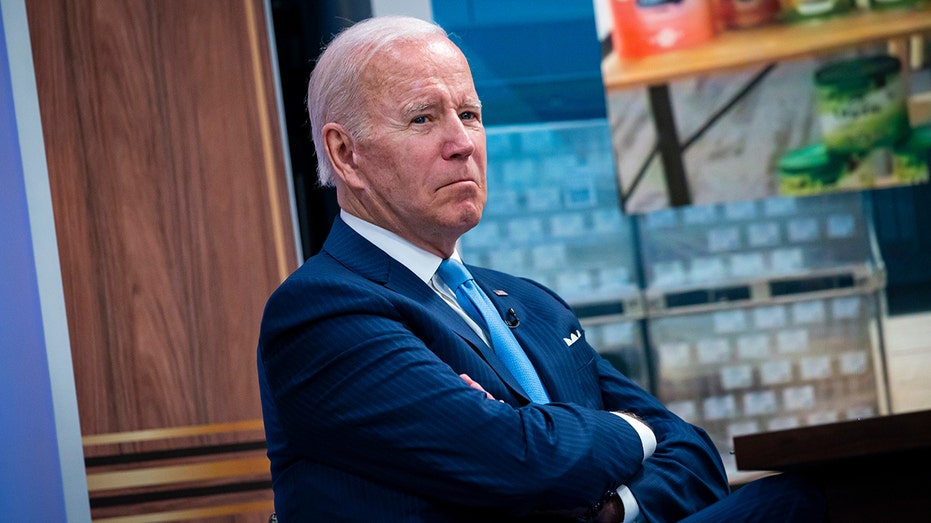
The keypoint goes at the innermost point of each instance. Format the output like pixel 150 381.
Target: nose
pixel 459 142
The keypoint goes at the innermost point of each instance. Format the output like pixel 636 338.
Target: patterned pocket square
pixel 574 337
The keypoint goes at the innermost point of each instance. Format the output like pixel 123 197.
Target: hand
pixel 611 512
pixel 475 385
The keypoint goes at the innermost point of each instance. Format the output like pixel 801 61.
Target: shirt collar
pixel 422 263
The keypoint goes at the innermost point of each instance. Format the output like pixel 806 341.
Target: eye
pixel 468 115
pixel 419 120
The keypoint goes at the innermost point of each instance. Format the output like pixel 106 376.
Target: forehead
pixel 414 68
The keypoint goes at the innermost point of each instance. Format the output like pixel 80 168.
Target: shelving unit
pixel 764 315
pixel 738 49
pixel 763 45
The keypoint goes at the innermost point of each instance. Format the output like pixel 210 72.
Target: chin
pixel 465 222
pixel 473 217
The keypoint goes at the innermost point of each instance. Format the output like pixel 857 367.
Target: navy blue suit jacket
pixel 367 419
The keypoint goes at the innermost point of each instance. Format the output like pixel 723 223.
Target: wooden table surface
pixel 876 469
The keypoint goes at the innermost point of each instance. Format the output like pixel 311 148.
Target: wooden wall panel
pixel 171 204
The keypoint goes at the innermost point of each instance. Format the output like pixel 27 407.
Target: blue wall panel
pixel 41 464
pixel 532 61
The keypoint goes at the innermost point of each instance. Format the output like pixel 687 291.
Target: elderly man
pixel 399 385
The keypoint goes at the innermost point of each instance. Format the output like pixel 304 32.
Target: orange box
pixel 645 27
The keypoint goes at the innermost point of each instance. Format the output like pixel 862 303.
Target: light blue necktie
pixel 479 307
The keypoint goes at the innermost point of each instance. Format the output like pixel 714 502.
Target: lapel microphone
pixel 511 319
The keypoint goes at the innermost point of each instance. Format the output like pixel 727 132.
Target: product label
pixel 859 122
pixel 814 7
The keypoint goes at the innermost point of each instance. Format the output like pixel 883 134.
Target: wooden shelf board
pixel 135 436
pixel 759 46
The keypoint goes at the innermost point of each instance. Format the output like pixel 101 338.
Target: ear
pixel 340 147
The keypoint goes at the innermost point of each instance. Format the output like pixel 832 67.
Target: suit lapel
pixel 508 306
pixel 451 319
pixel 370 262
pixel 403 281
pixel 537 343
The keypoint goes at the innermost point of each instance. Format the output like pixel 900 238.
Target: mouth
pixel 459 182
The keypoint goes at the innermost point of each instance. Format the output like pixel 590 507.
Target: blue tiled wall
pixel 533 61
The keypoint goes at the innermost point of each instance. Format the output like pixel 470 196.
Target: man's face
pixel 423 164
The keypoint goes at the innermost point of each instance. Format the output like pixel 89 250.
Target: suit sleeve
pixel 685 472
pixel 357 385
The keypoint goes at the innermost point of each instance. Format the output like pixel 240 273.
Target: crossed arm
pixel 608 510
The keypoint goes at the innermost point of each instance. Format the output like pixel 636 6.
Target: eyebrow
pixel 419 107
